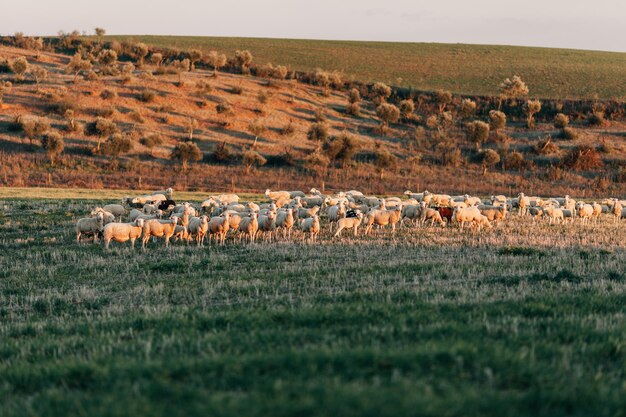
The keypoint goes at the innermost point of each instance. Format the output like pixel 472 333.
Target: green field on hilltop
pixel 433 322
pixel 465 69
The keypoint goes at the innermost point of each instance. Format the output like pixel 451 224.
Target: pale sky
pixel 579 24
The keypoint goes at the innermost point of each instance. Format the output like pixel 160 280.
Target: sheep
pixel 219 227
pixel 304 213
pixel 335 213
pixel 254 207
pixel 417 196
pixel 169 193
pixel 181 233
pixel 382 218
pixel 616 210
pixel 166 205
pixel 198 228
pixel 148 199
pixel 493 213
pixel 225 198
pixel 311 226
pixel 481 221
pixel 584 211
pixel 431 214
pixel 89 225
pixel 134 213
pixel 149 208
pixel 108 217
pixel 555 215
pixel 349 223
pixel 597 211
pixel 122 232
pixel 440 199
pixel 457 204
pixel 523 203
pixel 208 206
pixel 275 196
pixel 185 208
pixel 285 219
pixel 353 193
pixel 464 215
pixel 267 223
pixel 294 194
pixel 156 216
pixel 117 210
pixel 159 228
pixel 237 207
pixel 412 212
pixel 471 201
pixel 249 226
pixel 234 219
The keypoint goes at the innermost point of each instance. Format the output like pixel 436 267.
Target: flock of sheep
pixel 158 216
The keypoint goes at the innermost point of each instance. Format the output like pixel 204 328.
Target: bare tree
pixel 531 108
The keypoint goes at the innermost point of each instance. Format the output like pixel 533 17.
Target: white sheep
pixel 335 213
pixel 198 228
pixel 311 226
pixel 219 227
pixel 466 215
pixel 90 225
pixel 122 232
pixel 555 215
pixel 249 226
pixel 584 212
pixel 267 223
pixel 285 219
pixel 159 228
pixel 117 210
pixel 349 223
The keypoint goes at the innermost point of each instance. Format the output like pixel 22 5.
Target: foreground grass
pixel 465 69
pixel 518 321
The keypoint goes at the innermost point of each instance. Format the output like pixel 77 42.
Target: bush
pixel 34 127
pixel 515 160
pixel 62 105
pixel 546 147
pixel 443 98
pixel 477 132
pixel 354 96
pixel 497 120
pixel 561 121
pixel 251 158
pixel 222 154
pixel 317 162
pixel 243 59
pixel 151 141
pixel 317 132
pixel 107 112
pixel 385 160
pixel 467 108
pixel 236 90
pixel 107 94
pixel 583 158
pixel 116 145
pixel 186 152
pixel 407 107
pixel 513 87
pixel 531 108
pixel 353 109
pixel 19 66
pixel 136 117
pixel 320 115
pixel 569 133
pixel 380 93
pixel 448 153
pixel 341 148
pixel 288 130
pixel 223 108
pixel 489 158
pixel 147 96
pixel 53 144
pixel 387 113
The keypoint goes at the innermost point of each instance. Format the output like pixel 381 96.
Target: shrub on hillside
pixel 317 132
pixel 583 158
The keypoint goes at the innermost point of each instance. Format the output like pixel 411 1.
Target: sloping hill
pixel 463 69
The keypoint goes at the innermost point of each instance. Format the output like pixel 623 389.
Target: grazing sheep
pixel 149 208
pixel 267 223
pixel 412 212
pixel 147 199
pixel 198 228
pixel 181 233
pixel 276 196
pixel 225 198
pixel 471 201
pixel 555 215
pixel 382 218
pixel 465 215
pixel 311 226
pixel 493 213
pixel 156 215
pixel 90 225
pixel 456 204
pixel 219 227
pixel 122 232
pixel 249 226
pixel 419 197
pixel 169 193
pixel 254 207
pixel 479 222
pixel 159 228
pixel 107 217
pixel 285 219
pixel 294 194
pixel 304 213
pixel 440 199
pixel 166 205
pixel 134 213
pixel 349 223
pixel 234 219
pixel 430 214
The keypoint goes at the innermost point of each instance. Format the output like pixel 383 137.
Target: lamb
pixel 616 210
pixel 249 226
pixel 117 210
pixel 480 221
pixel 464 215
pixel 90 225
pixel 523 202
pixel 219 227
pixel 159 228
pixel 349 223
pixel 311 226
pixel 285 219
pixel 267 223
pixel 335 213
pixel 555 215
pixel 122 232
pixel 198 228
pixel 430 214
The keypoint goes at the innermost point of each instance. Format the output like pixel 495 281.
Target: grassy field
pixel 524 320
pixel 466 69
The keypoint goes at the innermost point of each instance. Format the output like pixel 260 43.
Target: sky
pixel 578 24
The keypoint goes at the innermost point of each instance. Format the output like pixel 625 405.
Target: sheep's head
pixel 159 213
pixel 407 192
pixel 267 192
pixel 96 211
pixel 174 220
pixel 139 222
pixel 205 219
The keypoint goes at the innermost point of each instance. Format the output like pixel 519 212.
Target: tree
pixel 251 158
pixel 477 132
pixel 467 108
pixel 5 87
pixel 407 107
pixel 20 67
pixel 344 149
pixel 76 65
pixel 531 108
pixel 515 160
pixel 34 127
pixel 244 60
pixel 156 59
pixel 116 145
pixel 380 92
pixel 318 132
pixel 497 120
pixel 195 55
pixel 323 80
pixel 489 159
pixel 39 74
pixel 513 87
pixel 151 141
pixel 103 128
pixel 387 113
pixel 216 60
pixel 384 160
pixel 186 152
pixel 53 144
pixel 443 98
pixel 100 32
pixel 139 51
pixel 354 96
pixel 179 67
pixel 107 57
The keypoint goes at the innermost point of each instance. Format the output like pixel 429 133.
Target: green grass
pixel 516 322
pixel 466 69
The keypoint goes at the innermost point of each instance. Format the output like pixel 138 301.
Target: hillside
pixel 233 116
pixel 463 69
